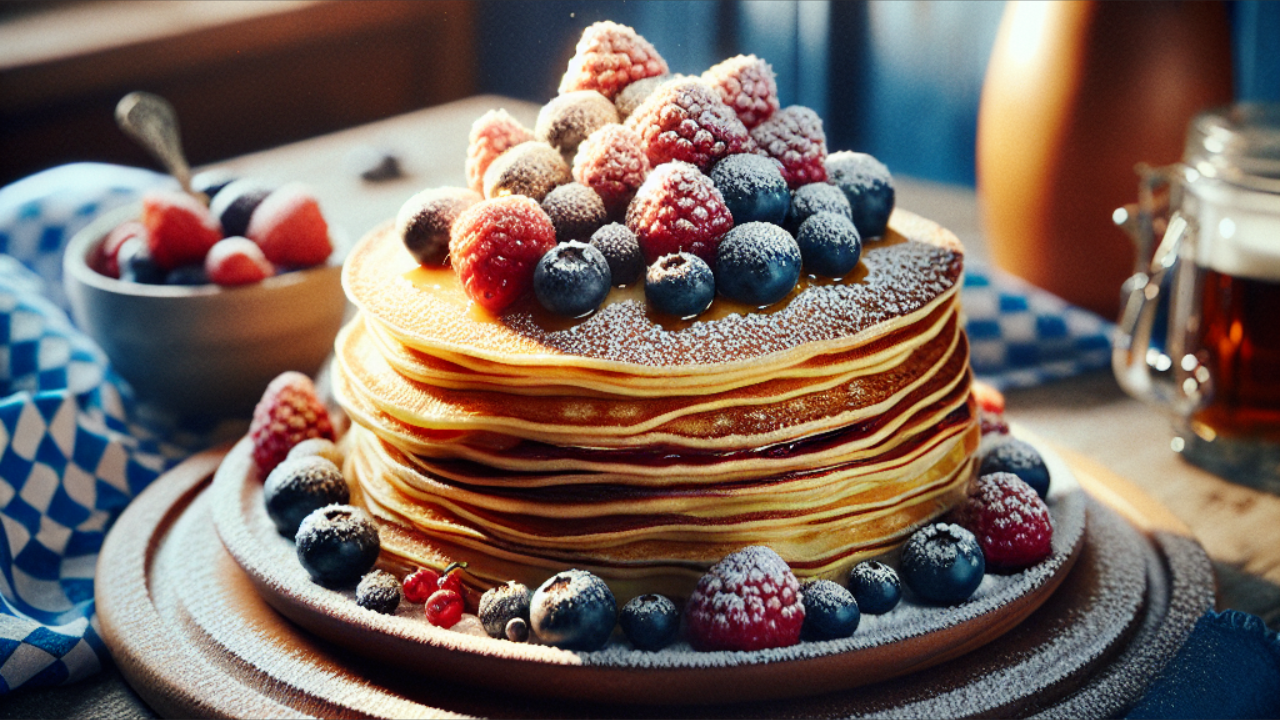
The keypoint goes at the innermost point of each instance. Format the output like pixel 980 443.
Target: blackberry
pixel 753 188
pixel 622 251
pixel 830 611
pixel 502 604
pixel 576 211
pixel 571 279
pixel 298 486
pixel 573 609
pixel 650 621
pixel 829 244
pixel 757 264
pixel 337 544
pixel 380 592
pixel 1020 458
pixel 680 284
pixel 866 182
pixel 943 564
pixel 875 586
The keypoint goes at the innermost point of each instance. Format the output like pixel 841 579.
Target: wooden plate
pixel 192 634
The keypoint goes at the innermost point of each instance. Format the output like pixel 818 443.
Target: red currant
pixel 451 579
pixel 444 608
pixel 419 586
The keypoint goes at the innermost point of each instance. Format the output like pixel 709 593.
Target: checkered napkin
pixel 72 459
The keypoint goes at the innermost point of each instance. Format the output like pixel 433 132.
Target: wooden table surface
pixel 1239 527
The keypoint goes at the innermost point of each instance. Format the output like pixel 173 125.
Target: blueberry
pixel 300 485
pixel 187 275
pixel 517 630
pixel 814 198
pixel 380 592
pixel 574 610
pixel 650 621
pixel 943 564
pixel 875 586
pixel 572 279
pixel 680 284
pixel 830 611
pixel 1018 457
pixel 619 246
pixel 502 604
pixel 211 182
pixel 137 265
pixel 753 188
pixel 829 244
pixel 757 264
pixel 867 184
pixel 235 203
pixel 337 544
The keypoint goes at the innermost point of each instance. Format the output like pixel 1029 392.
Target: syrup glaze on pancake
pixel 916 264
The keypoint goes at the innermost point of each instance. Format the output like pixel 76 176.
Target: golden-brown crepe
pixel 827 426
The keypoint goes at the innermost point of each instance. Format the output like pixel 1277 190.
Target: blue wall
pixel 900 79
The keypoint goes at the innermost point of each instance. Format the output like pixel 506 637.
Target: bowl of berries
pixel 198 305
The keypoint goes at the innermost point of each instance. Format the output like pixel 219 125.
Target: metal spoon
pixel 153 123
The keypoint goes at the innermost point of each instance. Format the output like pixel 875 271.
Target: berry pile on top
pixel 247 231
pixel 700 185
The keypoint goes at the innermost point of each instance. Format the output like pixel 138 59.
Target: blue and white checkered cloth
pixel 73 456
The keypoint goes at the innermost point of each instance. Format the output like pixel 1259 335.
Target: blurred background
pixel 900 79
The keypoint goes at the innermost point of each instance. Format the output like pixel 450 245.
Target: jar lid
pixel 1238 144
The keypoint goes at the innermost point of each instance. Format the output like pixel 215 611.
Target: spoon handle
pixel 153 123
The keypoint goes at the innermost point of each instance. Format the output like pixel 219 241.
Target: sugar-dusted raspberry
pixel 288 413
pixel 180 229
pixel 609 57
pixel 685 120
pixel 237 261
pixel 491 135
pixel 748 85
pixel 290 228
pixel 750 600
pixel 637 92
pixel 568 119
pixel 496 244
pixel 531 169
pixel 611 162
pixel 678 209
pixel 1009 520
pixel 794 136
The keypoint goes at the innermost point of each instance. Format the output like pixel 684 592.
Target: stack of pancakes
pixel 644 449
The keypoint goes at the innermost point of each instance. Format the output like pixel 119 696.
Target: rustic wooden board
pixel 193 635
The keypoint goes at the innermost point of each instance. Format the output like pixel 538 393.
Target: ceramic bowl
pixel 203 351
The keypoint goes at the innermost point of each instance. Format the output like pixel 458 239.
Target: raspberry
pixel 491 135
pixel 107 258
pixel 1009 520
pixel 420 585
pixel 180 229
pixel 748 85
pixel 237 261
pixel 685 120
pixel 795 138
pixel 288 413
pixel 611 162
pixel 678 209
pixel 494 247
pixel 290 229
pixel 750 600
pixel 444 608
pixel 609 57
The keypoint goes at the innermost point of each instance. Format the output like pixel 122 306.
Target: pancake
pixel 827 426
